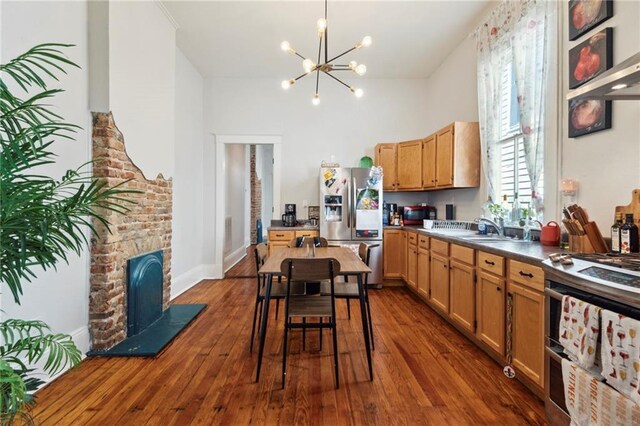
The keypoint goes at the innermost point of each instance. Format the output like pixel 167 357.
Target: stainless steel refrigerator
pixel 351 211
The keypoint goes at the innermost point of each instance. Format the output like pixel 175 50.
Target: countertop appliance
pixel 289 216
pixel 351 202
pixel 414 215
pixel 609 281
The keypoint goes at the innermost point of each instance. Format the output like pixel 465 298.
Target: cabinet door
pixel 277 245
pixel 410 165
pixel 429 162
pixel 463 295
pixel 439 282
pixel 412 266
pixel 423 272
pixel 527 336
pixel 393 253
pixel 403 255
pixel 490 310
pixel 386 158
pixel 444 157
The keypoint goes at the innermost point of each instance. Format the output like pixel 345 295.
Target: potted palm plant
pixel 42 219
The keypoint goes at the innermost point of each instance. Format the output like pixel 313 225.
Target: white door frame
pixel 221 141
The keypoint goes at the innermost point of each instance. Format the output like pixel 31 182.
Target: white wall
pixel 188 181
pixel 236 169
pixel 142 62
pixel 58 297
pixel 606 164
pixel 391 110
pixel 452 95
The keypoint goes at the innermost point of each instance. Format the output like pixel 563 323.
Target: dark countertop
pixel 294 228
pixel 529 252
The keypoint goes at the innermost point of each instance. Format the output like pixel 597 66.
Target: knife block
pixel 580 244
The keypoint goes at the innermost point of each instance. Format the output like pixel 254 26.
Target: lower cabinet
pixel 463 294
pixel 281 239
pixel 526 288
pixel 439 282
pixel 394 248
pixel 423 272
pixel 412 260
pixel 491 301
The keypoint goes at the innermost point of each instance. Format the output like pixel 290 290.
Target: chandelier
pixel 328 66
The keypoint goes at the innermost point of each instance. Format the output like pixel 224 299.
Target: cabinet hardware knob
pixel 526 274
pixel 498 288
pixel 489 262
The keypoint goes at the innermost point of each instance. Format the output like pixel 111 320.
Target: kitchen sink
pixel 491 239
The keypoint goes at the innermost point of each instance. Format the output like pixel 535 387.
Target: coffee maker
pixel 289 216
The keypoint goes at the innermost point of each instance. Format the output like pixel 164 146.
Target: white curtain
pixel 516 32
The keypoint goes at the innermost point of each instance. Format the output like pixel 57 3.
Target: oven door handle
pixel 553 294
pixel 553 354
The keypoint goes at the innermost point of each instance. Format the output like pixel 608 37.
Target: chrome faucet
pixel 499 229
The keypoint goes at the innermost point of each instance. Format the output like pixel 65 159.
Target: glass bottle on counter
pixel 515 210
pixel 506 210
pixel 629 236
pixel 615 233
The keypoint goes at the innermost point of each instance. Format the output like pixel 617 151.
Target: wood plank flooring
pixel 425 372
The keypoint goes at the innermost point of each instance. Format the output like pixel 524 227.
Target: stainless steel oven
pixel 616 288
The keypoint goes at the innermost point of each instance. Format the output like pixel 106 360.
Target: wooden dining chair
pixel 308 241
pixel 302 270
pixel 347 290
pixel 278 289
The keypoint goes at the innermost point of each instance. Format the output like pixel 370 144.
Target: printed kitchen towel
pixel 579 330
pixel 591 402
pixel 620 354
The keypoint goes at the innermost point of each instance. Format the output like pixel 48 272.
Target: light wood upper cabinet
pixel 449 158
pixel 444 156
pixel 428 164
pixel 394 246
pixel 386 157
pixel 456 160
pixel 410 165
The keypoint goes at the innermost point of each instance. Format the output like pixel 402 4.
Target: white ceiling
pixel 242 38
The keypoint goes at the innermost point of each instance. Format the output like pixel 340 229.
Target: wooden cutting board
pixel 633 207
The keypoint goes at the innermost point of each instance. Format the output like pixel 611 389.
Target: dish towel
pixel 579 330
pixel 620 354
pixel 591 402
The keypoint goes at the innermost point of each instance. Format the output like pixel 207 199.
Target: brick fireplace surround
pixel 147 227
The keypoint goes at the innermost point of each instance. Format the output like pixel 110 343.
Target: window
pixel 512 172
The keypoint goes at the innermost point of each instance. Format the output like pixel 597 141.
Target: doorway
pixel 268 147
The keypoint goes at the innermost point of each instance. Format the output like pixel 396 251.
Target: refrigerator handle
pixel 348 206
pixel 353 182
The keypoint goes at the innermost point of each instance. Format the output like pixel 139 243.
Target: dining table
pixel 350 265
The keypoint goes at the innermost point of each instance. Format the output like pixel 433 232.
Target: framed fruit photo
pixel 586 14
pixel 591 58
pixel 588 116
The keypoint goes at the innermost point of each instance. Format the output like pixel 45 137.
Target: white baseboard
pixel 185 281
pixel 213 271
pixel 82 340
pixel 235 257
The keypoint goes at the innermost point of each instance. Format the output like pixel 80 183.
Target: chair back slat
pixel 310 269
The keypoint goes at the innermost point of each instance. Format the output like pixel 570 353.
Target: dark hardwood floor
pixel 425 372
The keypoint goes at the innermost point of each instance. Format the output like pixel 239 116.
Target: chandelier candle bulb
pixel 308 65
pixel 322 25
pixel 285 46
pixel 316 100
pixel 361 69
